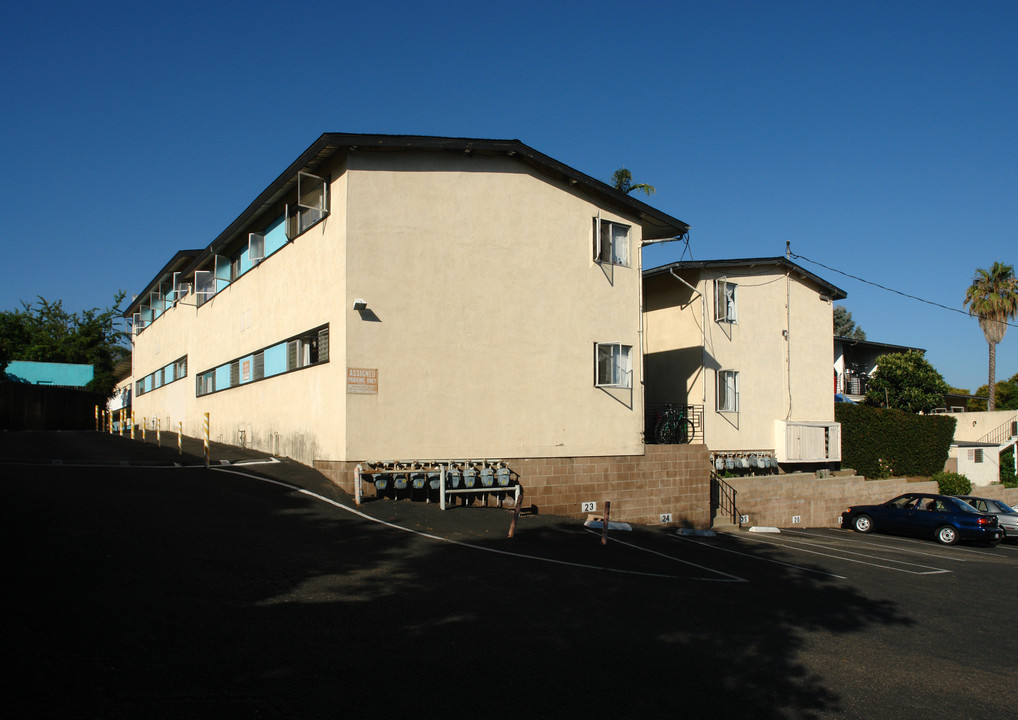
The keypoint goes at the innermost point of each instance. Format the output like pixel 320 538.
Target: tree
pixel 993 299
pixel 844 326
pixel 45 332
pixel 622 180
pixel 906 381
pixel 1006 393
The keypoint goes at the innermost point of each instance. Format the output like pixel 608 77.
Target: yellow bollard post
pixel 205 433
pixel 159 432
pixel 132 424
pixel 144 423
pixel 180 433
pixel 97 418
pixel 120 425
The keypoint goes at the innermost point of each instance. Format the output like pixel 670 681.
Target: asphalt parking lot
pixel 144 585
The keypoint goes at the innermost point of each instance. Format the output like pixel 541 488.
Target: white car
pixel 1007 516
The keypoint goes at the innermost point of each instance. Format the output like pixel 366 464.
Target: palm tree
pixel 993 298
pixel 622 180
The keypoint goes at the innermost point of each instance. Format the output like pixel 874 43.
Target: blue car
pixel 940 517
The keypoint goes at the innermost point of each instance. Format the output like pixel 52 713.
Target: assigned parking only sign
pixel 362 381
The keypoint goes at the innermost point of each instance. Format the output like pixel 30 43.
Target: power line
pixel 888 289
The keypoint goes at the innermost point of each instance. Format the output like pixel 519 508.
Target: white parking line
pixel 756 557
pixel 730 578
pixel 907 545
pixel 402 528
pixel 928 570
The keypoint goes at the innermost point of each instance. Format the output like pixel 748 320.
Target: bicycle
pixel 673 426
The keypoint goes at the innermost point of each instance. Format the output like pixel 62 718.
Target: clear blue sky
pixel 877 138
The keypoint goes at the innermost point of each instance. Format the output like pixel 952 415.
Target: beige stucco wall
pixel 489 303
pixel 974 426
pixel 780 378
pixel 301 286
pixel 484 305
pixel 982 473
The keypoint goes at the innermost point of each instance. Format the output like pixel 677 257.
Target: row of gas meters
pixel 742 462
pixel 413 475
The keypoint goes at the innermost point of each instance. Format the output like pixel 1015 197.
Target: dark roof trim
pixel 656 224
pixel 181 260
pixel 853 342
pixel 833 291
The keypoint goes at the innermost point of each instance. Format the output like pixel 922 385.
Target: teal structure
pixel 44 373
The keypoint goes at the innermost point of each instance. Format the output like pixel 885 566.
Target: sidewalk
pixel 99 449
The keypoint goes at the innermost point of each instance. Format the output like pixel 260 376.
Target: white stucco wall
pixel 301 286
pixel 981 473
pixel 782 375
pixel 489 303
pixel 484 305
pixel 973 426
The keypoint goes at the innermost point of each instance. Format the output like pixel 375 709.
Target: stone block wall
pixel 667 479
pixel 776 500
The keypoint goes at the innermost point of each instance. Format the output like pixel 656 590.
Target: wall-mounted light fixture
pixel 360 304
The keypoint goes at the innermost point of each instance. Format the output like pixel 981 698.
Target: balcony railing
pixel 673 423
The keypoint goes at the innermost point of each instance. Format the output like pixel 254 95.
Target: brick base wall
pixel 672 479
pixel 774 500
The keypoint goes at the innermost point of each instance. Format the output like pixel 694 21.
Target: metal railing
pixel 656 415
pixel 1005 432
pixel 722 499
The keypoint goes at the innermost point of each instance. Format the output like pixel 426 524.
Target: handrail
pixel 653 412
pixel 1002 433
pixel 722 497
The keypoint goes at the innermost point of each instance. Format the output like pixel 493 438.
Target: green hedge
pixel 876 442
pixel 952 483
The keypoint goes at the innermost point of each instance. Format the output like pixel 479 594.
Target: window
pixel 614 365
pixel 728 391
pixel 259 365
pixel 206 383
pixel 312 204
pixel 256 247
pixel 725 306
pixel 163 376
pixel 307 350
pixel 204 285
pixel 975 455
pixel 224 271
pixel 611 242
pixel 180 288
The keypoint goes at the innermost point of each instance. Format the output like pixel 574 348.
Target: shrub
pixel 1007 476
pixel 952 483
pixel 879 443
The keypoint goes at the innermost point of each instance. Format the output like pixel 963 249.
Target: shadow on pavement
pixel 169 592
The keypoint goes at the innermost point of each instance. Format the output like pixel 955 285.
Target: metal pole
pixel 180 432
pixel 97 418
pixel 159 432
pixel 205 433
pixel 516 516
pixel 357 485
pixel 604 523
